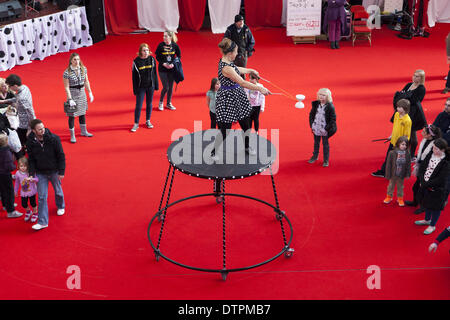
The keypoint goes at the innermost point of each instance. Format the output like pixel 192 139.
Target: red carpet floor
pixel 114 181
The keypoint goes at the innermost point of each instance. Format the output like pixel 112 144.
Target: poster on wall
pixel 303 18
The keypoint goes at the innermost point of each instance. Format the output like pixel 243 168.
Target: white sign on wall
pixel 303 17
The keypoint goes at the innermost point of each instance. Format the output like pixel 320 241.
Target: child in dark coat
pixel 398 167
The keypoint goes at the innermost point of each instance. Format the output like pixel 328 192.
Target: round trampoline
pixel 191 155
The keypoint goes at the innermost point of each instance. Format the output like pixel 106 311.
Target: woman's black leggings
pixel 82 120
pixel 223 127
pixel 254 117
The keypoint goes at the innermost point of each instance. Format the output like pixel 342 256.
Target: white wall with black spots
pixel 38 38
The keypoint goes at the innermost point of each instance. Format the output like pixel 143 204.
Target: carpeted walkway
pixel 114 181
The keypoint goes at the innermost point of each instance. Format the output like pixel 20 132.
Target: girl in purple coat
pixel 28 189
pixel 335 20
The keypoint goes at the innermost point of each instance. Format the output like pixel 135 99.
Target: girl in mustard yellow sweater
pixel 401 127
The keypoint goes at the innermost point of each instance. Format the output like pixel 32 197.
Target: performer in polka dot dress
pixel 231 101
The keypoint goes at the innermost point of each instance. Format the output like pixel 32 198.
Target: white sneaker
pixel 135 127
pixel 38 226
pixel 170 106
pixel 149 124
pixel 60 212
pixel 429 230
pixel 14 214
pixel 422 222
pixel 160 107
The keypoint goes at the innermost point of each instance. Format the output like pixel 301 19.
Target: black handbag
pixel 68 108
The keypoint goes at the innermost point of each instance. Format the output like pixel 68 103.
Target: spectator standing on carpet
pixel 429 133
pixel 433 174
pixel 414 92
pixel 442 121
pixel 401 127
pixel 441 237
pixel 24 105
pixel 28 189
pixel 145 82
pixel 257 101
pixel 75 79
pixel 322 121
pixel 6 183
pixel 334 21
pixel 47 162
pixel 211 101
pixel 447 84
pixel 166 53
pixel 7 97
pixel 240 33
pixel 232 104
pixel 398 167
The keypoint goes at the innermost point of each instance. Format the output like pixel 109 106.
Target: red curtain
pixel 121 16
pixel 192 13
pixel 263 13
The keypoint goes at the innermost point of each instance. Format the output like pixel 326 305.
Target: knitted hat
pixel 238 17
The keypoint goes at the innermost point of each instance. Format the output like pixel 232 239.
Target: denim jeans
pixel 42 186
pixel 142 93
pixel 167 82
pixel 326 147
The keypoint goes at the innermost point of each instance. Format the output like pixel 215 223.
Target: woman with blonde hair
pixel 322 120
pixel 7 97
pixel 414 92
pixel 166 52
pixel 75 79
pixel 145 82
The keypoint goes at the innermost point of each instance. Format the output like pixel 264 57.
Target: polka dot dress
pixel 231 104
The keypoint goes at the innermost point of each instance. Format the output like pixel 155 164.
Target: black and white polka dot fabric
pixel 35 39
pixel 231 102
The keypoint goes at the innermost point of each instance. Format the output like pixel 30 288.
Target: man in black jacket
pixel 442 121
pixel 48 163
pixel 239 33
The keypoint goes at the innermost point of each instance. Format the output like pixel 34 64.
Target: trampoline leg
pixel 289 252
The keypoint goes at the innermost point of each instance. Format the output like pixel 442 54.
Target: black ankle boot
pixel 333 45
pixel 336 44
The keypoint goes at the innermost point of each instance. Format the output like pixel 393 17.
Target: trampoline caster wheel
pixel 219 199
pixel 157 255
pixel 289 252
pixel 280 215
pixel 224 275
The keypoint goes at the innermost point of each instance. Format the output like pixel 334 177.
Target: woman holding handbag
pixel 166 53
pixel 75 80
